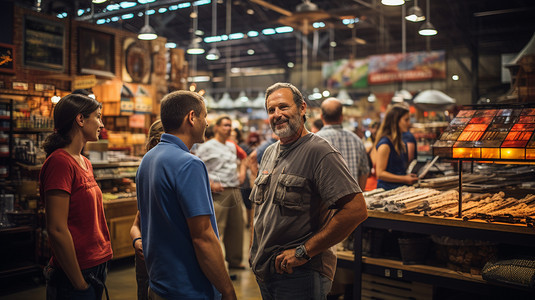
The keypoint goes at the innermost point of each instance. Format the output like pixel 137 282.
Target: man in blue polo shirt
pixel 180 239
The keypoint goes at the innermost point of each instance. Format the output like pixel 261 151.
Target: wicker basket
pixel 520 272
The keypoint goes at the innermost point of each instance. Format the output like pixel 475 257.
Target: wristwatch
pixel 301 252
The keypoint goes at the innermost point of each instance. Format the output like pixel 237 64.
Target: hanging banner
pixel 345 73
pixel 413 66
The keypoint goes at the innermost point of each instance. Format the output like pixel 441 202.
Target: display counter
pixel 512 234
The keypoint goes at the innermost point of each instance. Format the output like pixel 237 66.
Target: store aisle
pixel 121 282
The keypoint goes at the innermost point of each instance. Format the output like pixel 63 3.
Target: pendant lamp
pixel 427 28
pixel 214 54
pixel 415 13
pixel 147 33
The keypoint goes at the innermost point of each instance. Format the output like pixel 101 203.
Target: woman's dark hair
pixel 65 113
pixel 389 127
pixel 155 133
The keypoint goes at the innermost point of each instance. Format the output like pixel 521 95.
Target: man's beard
pixel 291 128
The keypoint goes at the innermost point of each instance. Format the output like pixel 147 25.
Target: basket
pixel 520 272
pixel 464 255
pixel 413 250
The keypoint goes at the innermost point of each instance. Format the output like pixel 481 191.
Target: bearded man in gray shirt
pixel 306 202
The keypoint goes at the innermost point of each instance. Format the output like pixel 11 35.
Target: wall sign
pixel 43 45
pixel 95 52
pixel 7 58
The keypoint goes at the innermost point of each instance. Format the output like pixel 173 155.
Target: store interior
pixel 466 69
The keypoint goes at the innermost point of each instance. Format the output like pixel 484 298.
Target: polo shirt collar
pixel 169 138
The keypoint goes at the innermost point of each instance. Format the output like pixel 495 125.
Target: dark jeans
pixel 142 278
pixel 300 285
pixel 59 287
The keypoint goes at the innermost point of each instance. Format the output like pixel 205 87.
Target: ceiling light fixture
pixel 99 1
pixel 194 48
pixel 392 2
pixel 214 54
pixel 147 33
pixel 415 13
pixel 427 28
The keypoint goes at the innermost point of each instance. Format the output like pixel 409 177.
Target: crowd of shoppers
pixel 305 189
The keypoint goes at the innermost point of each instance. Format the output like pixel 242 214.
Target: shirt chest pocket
pixel 260 189
pixel 292 192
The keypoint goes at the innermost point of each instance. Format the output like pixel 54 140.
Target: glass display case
pixel 501 133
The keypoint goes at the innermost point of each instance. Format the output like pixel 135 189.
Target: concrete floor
pixel 121 282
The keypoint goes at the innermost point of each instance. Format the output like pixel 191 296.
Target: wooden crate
pixel 375 287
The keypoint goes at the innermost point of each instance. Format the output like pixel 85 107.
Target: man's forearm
pixel 345 220
pixel 210 258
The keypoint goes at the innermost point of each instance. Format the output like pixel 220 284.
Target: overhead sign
pixel 84 82
pixel 412 66
pixel 346 73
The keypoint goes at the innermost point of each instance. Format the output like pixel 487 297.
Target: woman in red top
pixel 76 225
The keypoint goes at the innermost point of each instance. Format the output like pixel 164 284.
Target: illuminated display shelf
pixel 498 133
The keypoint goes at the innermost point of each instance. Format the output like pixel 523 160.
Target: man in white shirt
pixel 219 156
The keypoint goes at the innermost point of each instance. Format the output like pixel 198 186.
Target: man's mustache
pixel 282 120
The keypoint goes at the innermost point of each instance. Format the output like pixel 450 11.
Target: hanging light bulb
pixel 213 54
pixel 427 28
pixel 415 13
pixel 242 100
pixel 147 33
pixel 260 101
pixel 343 96
pixel 225 101
pixel 55 99
pixel 392 2
pixel 195 49
pixel 372 98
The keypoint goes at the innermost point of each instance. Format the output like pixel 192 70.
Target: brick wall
pixel 62 80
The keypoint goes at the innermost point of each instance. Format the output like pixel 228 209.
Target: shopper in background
pixel 317 125
pixel 250 164
pixel 220 157
pixel 142 276
pixel 391 158
pixel 306 202
pixel 75 220
pixel 412 146
pixel 348 143
pixel 371 183
pixel 178 226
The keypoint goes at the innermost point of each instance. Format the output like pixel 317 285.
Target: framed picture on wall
pixel 44 41
pixel 95 52
pixel 137 64
pixel 7 58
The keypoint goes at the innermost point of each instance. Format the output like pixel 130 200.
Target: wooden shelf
pixel 119 176
pixel 17 229
pixel 116 164
pixel 423 269
pixel 32 130
pixel 455 222
pixel 30 167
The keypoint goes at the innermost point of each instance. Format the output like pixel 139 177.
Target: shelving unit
pixel 469 137
pixel 442 277
pixel 120 213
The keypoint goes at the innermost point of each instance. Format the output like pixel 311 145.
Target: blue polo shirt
pixel 172 186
